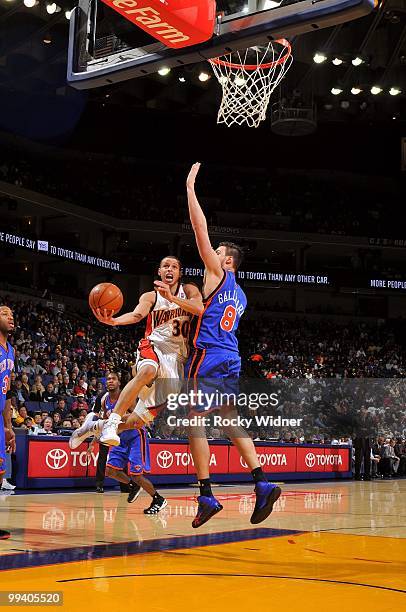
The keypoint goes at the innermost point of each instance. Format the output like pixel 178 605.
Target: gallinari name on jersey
pixel 232 296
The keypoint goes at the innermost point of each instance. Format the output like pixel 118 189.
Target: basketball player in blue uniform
pixel 133 449
pixel 7 436
pixel 215 357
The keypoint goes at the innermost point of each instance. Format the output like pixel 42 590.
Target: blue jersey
pixel 223 309
pixel 6 367
pixel 109 404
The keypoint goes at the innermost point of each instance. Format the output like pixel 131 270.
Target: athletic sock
pixel 258 475
pixel 205 487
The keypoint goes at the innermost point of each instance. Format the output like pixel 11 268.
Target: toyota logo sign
pixel 164 459
pixel 310 460
pixel 56 458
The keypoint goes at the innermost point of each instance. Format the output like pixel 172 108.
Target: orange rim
pixel 278 62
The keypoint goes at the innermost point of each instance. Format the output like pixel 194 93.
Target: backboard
pixel 105 48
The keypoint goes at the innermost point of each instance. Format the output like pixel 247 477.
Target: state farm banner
pixel 54 459
pixel 271 459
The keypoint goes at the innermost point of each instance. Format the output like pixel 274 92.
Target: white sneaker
pixel 109 433
pixel 88 428
pixel 7 486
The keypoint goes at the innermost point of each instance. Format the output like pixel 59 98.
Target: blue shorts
pixel 215 373
pixel 2 447
pixel 133 451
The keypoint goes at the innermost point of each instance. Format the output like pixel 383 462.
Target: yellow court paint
pixel 347 547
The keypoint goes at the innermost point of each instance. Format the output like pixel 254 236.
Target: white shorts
pixel 169 373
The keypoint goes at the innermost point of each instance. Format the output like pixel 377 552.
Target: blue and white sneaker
pixel 208 507
pixel 267 494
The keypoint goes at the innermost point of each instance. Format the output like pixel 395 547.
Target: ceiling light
pixel 52 8
pixel 336 91
pixel 345 104
pixel 319 58
pixel 68 14
pixel 355 91
pixel 357 61
pixel 203 77
pixel 47 40
pixel 394 91
pixel 182 79
pixel 30 3
pixel 375 90
pixel 164 71
pixel 337 61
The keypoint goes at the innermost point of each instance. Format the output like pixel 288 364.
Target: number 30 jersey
pixel 223 308
pixel 168 325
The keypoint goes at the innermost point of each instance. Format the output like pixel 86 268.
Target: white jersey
pixel 168 325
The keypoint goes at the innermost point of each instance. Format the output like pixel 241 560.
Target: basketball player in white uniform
pixel 161 353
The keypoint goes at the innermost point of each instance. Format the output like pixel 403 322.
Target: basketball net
pixel 248 79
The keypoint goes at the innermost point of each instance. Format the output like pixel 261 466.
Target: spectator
pixel 49 394
pixel 67 423
pixel 78 405
pixel 57 419
pixel 47 428
pixel 25 387
pixel 61 405
pixel 37 392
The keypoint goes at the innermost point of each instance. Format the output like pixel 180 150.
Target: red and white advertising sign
pixel 169 458
pixel 271 459
pixel 53 459
pixel 322 460
pixel 218 460
pixel 337 459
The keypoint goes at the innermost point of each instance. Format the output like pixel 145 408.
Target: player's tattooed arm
pixel 142 309
pixel 193 303
pixel 199 224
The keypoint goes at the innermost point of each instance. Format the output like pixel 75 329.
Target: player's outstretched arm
pixel 142 309
pixel 199 224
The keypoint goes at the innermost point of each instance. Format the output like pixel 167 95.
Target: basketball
pixel 106 296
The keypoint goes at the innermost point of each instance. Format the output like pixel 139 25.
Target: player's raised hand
pixel 164 290
pixel 104 315
pixel 190 182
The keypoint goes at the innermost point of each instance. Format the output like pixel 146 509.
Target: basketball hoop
pixel 248 79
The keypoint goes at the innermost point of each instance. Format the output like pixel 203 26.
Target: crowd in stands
pixel 337 377
pixel 153 191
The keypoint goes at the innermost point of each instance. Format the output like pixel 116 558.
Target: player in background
pixel 133 449
pixel 215 358
pixel 163 350
pixel 7 436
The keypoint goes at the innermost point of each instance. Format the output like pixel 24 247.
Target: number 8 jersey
pixel 218 323
pixel 168 325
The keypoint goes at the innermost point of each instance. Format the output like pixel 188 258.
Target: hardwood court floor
pixel 327 546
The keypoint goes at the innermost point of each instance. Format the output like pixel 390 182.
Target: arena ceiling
pixel 33 47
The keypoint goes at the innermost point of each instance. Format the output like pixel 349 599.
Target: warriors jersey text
pixel 168 325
